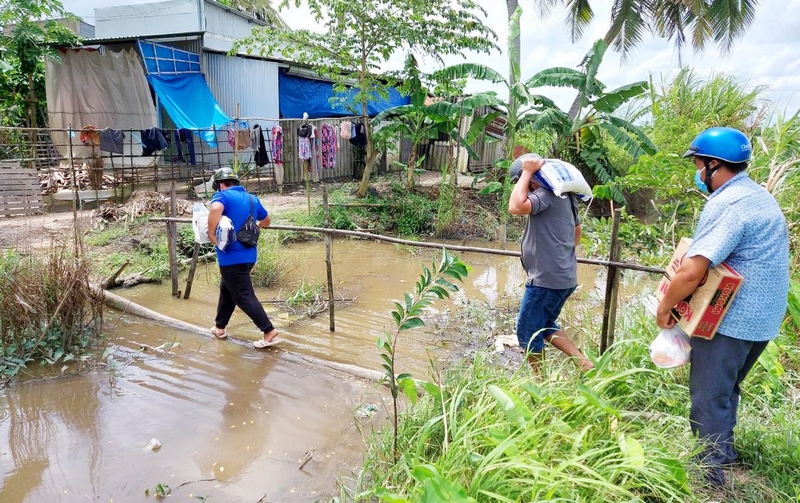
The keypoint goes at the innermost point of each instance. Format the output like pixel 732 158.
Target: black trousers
pixel 718 368
pixel 236 289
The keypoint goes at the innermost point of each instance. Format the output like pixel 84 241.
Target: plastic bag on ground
pixel 226 234
pixel 671 348
pixel 200 223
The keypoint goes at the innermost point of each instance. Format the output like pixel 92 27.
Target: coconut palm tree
pixel 698 22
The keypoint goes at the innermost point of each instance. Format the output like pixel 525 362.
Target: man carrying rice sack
pixel 551 234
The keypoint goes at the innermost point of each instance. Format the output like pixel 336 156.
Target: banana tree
pixel 583 138
pixel 418 122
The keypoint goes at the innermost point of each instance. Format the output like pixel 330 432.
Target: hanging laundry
pixel 90 136
pixel 316 157
pixel 184 135
pixel 304 148
pixel 153 140
pixel 304 131
pixel 345 130
pixel 277 145
pixel 112 140
pixel 244 138
pixel 329 146
pixel 259 146
pixel 359 138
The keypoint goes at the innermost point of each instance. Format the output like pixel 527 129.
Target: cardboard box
pixel 700 314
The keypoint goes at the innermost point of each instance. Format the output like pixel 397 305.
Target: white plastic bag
pixel 226 234
pixel 200 223
pixel 671 348
pixel 562 177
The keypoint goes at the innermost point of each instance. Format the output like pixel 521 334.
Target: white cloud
pixel 763 56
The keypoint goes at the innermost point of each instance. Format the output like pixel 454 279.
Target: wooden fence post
pixel 612 286
pixel 172 241
pixel 192 269
pixel 328 257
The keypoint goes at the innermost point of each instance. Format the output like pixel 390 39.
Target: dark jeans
pixel 236 289
pixel 538 313
pixel 718 368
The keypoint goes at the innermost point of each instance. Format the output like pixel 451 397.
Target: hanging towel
pixel 112 140
pixel 153 140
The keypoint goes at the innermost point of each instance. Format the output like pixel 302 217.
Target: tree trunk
pixel 32 120
pixel 412 160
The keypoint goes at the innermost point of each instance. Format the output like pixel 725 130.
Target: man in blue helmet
pixel 552 232
pixel 742 225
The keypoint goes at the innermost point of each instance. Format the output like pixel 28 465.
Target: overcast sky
pixel 764 56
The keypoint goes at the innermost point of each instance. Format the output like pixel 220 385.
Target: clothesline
pixel 349 117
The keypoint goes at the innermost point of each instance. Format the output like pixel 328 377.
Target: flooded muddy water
pixel 233 422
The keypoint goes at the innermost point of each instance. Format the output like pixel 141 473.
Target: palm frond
pixel 579 16
pixel 628 25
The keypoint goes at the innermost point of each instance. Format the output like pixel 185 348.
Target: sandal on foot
pixel 263 343
pixel 217 335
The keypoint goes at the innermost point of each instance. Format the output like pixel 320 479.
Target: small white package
pixel 226 234
pixel 200 223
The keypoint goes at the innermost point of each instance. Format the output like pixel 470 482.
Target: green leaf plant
pixel 435 283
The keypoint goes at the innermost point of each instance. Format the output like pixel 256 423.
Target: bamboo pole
pixel 192 269
pixel 328 257
pixel 423 244
pixel 236 141
pixel 612 286
pixel 172 241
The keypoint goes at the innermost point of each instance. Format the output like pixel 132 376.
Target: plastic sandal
pixel 261 343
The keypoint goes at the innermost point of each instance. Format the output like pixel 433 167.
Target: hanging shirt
pixel 277 145
pixel 112 140
pixel 153 139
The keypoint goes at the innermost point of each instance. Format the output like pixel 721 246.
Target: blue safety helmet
pixel 723 143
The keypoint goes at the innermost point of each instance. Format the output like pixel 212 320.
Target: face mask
pixel 699 182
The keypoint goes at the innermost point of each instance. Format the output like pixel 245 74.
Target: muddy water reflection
pixel 374 273
pixel 222 412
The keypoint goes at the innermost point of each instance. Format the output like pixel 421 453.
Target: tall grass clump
pixel 619 433
pixel 48 311
pixel 274 262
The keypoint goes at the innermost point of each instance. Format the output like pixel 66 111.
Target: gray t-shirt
pixel 548 243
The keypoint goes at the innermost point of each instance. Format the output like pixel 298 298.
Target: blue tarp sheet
pixel 189 103
pixel 299 94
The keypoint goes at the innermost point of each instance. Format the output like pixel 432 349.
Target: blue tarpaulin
pixel 190 104
pixel 299 94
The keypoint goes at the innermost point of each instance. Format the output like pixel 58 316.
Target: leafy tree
pixel 582 139
pixel 361 36
pixel 418 121
pixel 259 9
pixel 29 39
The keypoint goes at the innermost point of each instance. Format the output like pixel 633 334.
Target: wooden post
pixel 172 241
pixel 328 257
pixel 192 269
pixel 236 141
pixel 74 192
pixel 307 166
pixel 612 286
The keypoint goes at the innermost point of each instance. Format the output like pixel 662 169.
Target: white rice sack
pixel 200 223
pixel 562 177
pixel 226 234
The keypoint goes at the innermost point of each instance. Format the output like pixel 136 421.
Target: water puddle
pixel 233 423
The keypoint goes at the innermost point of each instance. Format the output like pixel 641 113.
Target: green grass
pixel 618 434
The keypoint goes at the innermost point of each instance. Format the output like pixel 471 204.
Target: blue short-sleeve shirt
pixel 743 226
pixel 237 201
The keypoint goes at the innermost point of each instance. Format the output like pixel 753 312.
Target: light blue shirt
pixel 743 226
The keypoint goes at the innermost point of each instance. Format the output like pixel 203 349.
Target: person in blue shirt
pixel 236 261
pixel 741 224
